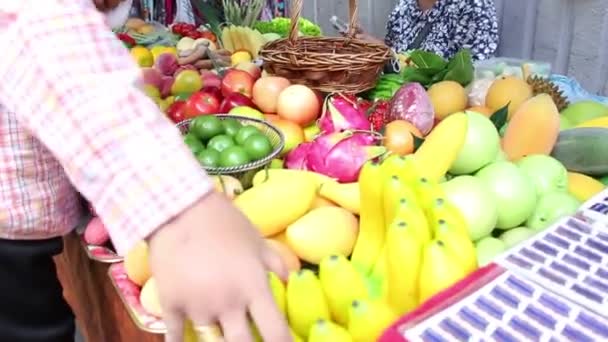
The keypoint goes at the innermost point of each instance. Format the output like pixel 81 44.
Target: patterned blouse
pixel 454 24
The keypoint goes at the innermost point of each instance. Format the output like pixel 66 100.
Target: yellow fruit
pixel 137 265
pixel 427 191
pixel 601 122
pixel 444 212
pixel 508 90
pixel 305 301
pixel 142 56
pixel 294 175
pixel 341 284
pixel 459 244
pixel 210 333
pixel 413 215
pixel 371 225
pixel 280 237
pixel 186 81
pixel 583 187
pixel 439 270
pixel 346 195
pixel 442 146
pixel 278 291
pixel 276 204
pixel 322 232
pixel 152 92
pixel 368 319
pixel 158 50
pixel 290 259
pixel 394 189
pixel 149 298
pixel 320 202
pixel 404 256
pixel 327 331
pixel 240 57
pixel 145 29
pixel 447 97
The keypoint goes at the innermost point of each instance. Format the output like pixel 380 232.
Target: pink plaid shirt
pixel 71 116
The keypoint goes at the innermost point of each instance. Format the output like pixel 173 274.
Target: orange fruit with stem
pixel 399 137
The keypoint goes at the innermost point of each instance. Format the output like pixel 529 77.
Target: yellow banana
pixel 305 301
pixel 404 256
pixel 327 331
pixel 341 284
pixel 346 195
pixel 414 215
pixel 427 191
pixel 394 189
pixel 371 219
pixel 403 166
pixel 368 319
pixel 459 244
pixel 583 187
pixel 278 291
pixel 444 211
pixel 439 270
pixel 379 277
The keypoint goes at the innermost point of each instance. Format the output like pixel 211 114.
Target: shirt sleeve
pixel 477 29
pixel 74 86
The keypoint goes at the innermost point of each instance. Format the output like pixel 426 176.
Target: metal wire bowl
pixel 244 173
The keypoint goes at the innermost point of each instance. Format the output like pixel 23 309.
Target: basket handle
pixel 296 12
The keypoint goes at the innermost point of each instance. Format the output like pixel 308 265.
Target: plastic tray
pixel 509 66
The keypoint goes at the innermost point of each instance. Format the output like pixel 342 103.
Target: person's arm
pixel 477 29
pixel 74 86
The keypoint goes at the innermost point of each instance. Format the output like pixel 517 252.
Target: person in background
pixel 72 116
pixel 442 27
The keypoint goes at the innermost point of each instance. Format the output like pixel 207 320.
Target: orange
pixel 399 137
pixel 481 110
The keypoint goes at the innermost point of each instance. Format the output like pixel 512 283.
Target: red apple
pixel 201 103
pixel 215 91
pixel 210 79
pixel 237 81
pixel 235 100
pixel 175 112
pixel 250 68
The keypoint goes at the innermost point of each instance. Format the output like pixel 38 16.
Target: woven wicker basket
pixel 245 173
pixel 328 64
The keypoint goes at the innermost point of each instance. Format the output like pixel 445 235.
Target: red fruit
pixel 152 77
pixel 175 112
pixel 235 100
pixel 96 233
pixel 215 91
pixel 165 86
pixel 211 79
pixel 201 103
pixel 166 63
pixel 237 81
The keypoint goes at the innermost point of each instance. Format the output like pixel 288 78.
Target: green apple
pixel 582 111
pixel 514 193
pixel 487 249
pixel 501 156
pixel 546 172
pixel 481 145
pixel 311 132
pixel 475 202
pixel 276 163
pixel 564 123
pixel 516 235
pixel 551 207
pixel 247 112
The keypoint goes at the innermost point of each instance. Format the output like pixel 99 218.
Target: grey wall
pixel 570 34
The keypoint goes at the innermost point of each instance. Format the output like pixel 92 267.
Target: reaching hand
pixel 211 266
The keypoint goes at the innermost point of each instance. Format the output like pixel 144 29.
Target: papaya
pixel 273 205
pixel 583 150
pixel 583 187
pixel 533 129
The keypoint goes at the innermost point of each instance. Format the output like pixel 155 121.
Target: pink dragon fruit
pixel 344 161
pixel 341 113
pixel 411 103
pixel 321 147
pixel 296 159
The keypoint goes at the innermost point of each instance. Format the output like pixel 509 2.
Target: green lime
pixel 209 158
pixel 244 133
pixel 231 126
pixel 257 146
pixel 206 126
pixel 194 143
pixel 220 142
pixel 234 156
pixel 182 96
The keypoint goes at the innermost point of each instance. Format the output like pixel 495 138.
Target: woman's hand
pixel 211 266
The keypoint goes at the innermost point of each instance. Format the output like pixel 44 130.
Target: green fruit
pixel 193 142
pixel 582 150
pixel 244 133
pixel 220 142
pixel 209 158
pixel 564 123
pixel 487 249
pixel 231 126
pixel 257 146
pixel 481 145
pixel 182 96
pixel 277 163
pixel 547 173
pixel 206 127
pixel 550 208
pixel 582 111
pixel 234 156
pixel 514 236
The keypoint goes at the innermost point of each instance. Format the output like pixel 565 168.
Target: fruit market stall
pixel 385 193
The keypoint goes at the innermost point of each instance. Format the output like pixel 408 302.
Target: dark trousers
pixel 32 307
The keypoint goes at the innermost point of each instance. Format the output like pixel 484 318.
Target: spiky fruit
pixel 377 115
pixel 542 85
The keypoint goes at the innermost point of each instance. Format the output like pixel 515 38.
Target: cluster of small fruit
pixel 191 31
pixel 226 142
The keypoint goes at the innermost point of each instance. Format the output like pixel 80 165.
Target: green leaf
pixel 417 76
pixel 460 68
pixel 417 142
pixel 439 76
pixel 427 60
pixel 499 118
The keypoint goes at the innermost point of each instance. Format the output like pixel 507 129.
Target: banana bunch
pixel 412 242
